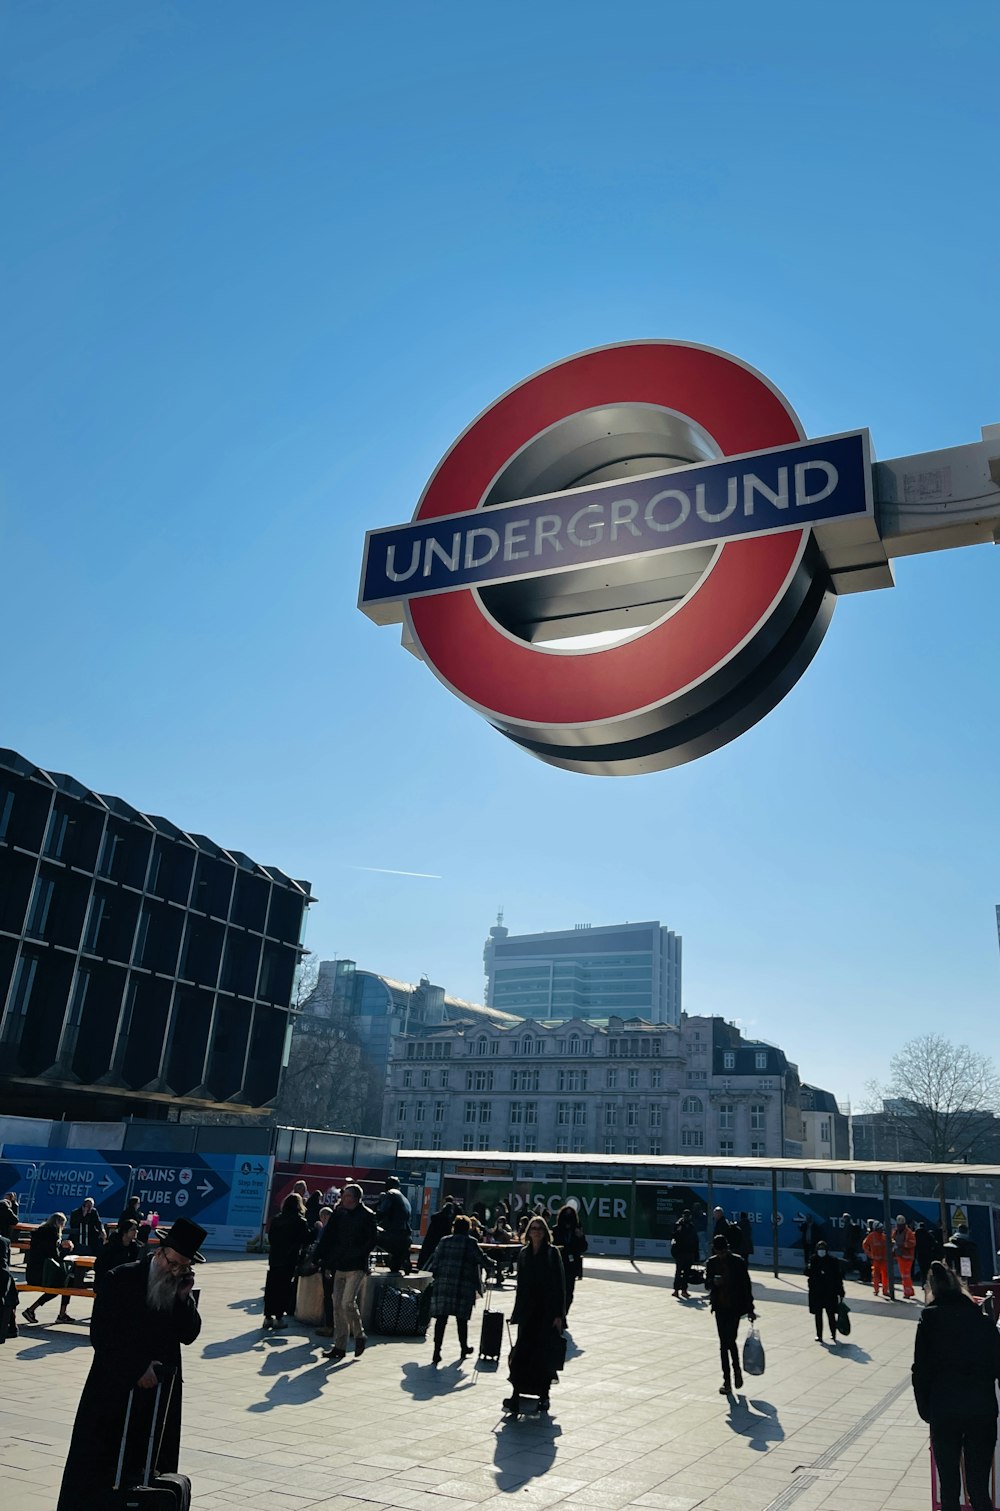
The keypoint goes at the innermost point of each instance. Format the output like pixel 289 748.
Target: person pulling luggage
pixel 456 1264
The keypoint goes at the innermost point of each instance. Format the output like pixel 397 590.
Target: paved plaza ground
pixel 636 1420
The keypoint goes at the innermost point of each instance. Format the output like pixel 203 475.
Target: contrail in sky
pixel 386 871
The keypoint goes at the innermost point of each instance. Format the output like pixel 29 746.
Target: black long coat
pixel 956 1361
pixel 540 1299
pixel 127 1335
pixel 826 1282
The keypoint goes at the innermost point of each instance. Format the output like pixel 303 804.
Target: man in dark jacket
pixel 394 1213
pixel 956 1366
pixel 85 1228
pixel 8 1295
pixel 685 1251
pixel 143 1314
pixel 727 1280
pixel 926 1250
pixel 963 1247
pixel 344 1248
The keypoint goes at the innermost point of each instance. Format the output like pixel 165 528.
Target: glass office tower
pixel 631 970
pixel 140 966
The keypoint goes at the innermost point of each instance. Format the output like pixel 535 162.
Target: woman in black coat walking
pixel 287 1236
pixel 540 1314
pixel 570 1239
pixel 727 1281
pixel 956 1366
pixel 826 1289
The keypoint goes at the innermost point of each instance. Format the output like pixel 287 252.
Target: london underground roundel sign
pixel 630 557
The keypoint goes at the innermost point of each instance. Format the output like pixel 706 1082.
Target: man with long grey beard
pixel 143 1314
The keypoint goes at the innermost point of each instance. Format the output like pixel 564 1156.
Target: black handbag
pixel 57 1274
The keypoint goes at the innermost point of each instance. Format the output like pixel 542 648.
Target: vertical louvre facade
pixel 138 963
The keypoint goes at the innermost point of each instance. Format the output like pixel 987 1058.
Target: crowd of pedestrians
pixel 145 1308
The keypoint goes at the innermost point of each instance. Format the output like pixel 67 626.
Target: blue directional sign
pixel 225 1193
pixel 809 483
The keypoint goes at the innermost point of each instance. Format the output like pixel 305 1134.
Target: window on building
pixel 727 1084
pixel 697 1077
pixel 482 1046
pixel 483 1141
pixel 655 1147
pixel 655 1115
pixel 569 1080
pixel 612 1049
pixel 420 1112
pixel 760 1059
pixel 727 1115
pixel 575 1043
pixel 479 1080
pixel 633 1080
pixel 563 1113
pixel 610 1146
pixel 805 1131
pixel 578 1144
pixel 526 1080
pixel 494 1046
pixel 418 1141
pixel 758 1115
pixel 631 1146
pixel 631 1114
pixel 531 1112
pixel 757 1148
pixel 6 809
pixel 610 1115
pixel 655 1080
pixel 562 1144
pixel 692 1105
pixel 692 1138
pixel 824 1131
pixel 612 1079
pixel 727 1148
pixel 517 1112
pixel 470 1112
pixel 729 1060
pixel 579 1114
pixel 444 1079
pixel 41 901
pixel 440 1108
pixel 425 1078
pixel 485 1111
pixel 467 1141
pixel 530 1143
pixel 766 1083
pixel 514 1143
pixel 400 1112
pixel 436 1141
pixel 407 1078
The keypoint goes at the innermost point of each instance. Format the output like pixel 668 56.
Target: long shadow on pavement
pixel 526 1449
pixel 290 1390
pixel 425 1381
pixel 757 1421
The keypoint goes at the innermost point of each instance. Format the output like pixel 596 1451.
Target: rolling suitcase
pixel 155 1492
pixel 491 1332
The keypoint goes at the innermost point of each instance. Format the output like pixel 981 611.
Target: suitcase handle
pixel 148 1472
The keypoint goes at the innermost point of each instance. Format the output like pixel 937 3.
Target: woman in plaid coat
pixel 456 1265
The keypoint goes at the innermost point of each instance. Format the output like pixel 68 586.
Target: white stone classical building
pixel 626 1087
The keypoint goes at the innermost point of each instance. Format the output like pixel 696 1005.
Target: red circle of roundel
pixel 526 683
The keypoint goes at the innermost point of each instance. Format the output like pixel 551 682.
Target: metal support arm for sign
pixel 631 557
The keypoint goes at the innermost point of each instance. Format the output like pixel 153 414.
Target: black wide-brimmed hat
pixel 184 1236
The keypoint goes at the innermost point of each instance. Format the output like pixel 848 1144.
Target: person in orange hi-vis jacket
pixel 904 1246
pixel 876 1247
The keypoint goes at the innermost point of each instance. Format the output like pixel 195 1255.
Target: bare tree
pixel 940 1102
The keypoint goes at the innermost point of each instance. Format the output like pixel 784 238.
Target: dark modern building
pixel 628 970
pixel 142 968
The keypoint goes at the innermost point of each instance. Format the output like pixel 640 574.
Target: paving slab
pixel 636 1421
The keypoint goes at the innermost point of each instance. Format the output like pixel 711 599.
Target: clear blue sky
pixel 262 263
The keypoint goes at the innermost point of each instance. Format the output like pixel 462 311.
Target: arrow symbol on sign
pixel 105 1182
pixel 206 1188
